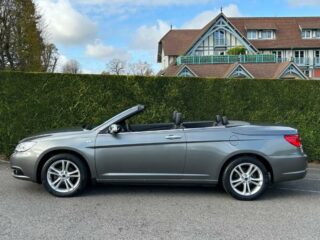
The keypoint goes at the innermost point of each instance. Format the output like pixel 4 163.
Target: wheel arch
pixel 53 152
pixel 261 158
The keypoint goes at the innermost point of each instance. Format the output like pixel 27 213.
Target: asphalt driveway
pixel 287 211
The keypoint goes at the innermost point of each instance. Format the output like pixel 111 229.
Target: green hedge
pixel 34 102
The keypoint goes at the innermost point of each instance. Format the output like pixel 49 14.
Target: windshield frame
pixel 128 113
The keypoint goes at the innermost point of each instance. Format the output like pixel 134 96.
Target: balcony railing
pixel 258 58
pixel 300 61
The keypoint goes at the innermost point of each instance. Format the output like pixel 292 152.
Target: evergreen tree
pixel 29 40
pixel 22 46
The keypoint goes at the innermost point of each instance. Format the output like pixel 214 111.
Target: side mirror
pixel 114 129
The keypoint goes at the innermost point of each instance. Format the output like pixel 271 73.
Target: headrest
pixel 225 120
pixel 218 120
pixel 178 120
pixel 174 116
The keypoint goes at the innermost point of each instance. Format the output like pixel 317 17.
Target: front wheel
pixel 245 178
pixel 64 175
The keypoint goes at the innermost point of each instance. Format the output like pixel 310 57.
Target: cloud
pixel 124 8
pixel 147 37
pixel 64 23
pixel 301 3
pixel 205 17
pixel 144 2
pixel 87 71
pixel 103 52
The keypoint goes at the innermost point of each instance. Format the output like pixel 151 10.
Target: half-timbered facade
pixel 289 42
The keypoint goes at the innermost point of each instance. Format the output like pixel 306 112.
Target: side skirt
pixel 159 181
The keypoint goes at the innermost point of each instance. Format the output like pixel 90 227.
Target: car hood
pixel 55 133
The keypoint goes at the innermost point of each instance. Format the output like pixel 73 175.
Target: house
pixel 276 47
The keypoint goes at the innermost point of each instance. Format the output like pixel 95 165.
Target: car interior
pixel 177 123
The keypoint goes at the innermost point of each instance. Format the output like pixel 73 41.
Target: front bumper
pixel 23 165
pixel 286 168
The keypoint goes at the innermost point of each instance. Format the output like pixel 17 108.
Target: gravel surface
pixel 287 211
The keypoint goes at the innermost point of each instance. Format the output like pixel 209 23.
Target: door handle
pixel 173 137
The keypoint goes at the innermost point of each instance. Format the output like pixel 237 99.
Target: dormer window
pixel 310 33
pixel 306 34
pixel 261 34
pixel 267 34
pixel 252 34
pixel 185 72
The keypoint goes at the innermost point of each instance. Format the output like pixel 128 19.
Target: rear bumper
pixel 286 168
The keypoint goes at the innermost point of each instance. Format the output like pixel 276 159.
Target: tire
pixel 64 175
pixel 245 178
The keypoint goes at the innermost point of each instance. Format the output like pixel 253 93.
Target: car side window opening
pixel 131 124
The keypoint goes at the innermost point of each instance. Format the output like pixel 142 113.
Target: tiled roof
pixel 203 70
pixel 310 25
pixel 257 70
pixel 260 26
pixel 171 70
pixel 176 42
pixel 266 70
pixel 288 34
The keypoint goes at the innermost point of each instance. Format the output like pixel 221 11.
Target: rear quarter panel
pixel 208 149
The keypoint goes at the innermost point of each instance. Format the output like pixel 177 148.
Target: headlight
pixel 25 146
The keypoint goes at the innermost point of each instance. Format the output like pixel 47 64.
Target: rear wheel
pixel 64 175
pixel 245 178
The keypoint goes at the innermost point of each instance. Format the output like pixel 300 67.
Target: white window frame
pixel 265 34
pixel 260 34
pixel 304 34
pixel 301 59
pixel 317 57
pixel 252 34
pixel 300 53
pixel 279 55
pixel 219 38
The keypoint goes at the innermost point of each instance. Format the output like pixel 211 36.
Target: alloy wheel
pixel 246 179
pixel 63 176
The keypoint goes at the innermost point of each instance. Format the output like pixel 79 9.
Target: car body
pixel 170 153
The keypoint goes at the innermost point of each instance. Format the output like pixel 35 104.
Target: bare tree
pixel 50 57
pixel 105 73
pixel 71 66
pixel 141 69
pixel 117 66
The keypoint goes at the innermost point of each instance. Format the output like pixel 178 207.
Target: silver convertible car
pixel 242 157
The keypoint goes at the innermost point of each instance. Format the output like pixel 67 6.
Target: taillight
pixel 293 139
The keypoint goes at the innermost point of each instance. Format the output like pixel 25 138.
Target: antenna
pixel 221 9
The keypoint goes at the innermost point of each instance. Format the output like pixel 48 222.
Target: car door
pixel 206 148
pixel 141 155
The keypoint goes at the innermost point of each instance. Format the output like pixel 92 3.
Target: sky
pixel 95 31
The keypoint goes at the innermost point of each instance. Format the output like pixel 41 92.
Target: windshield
pixel 121 116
